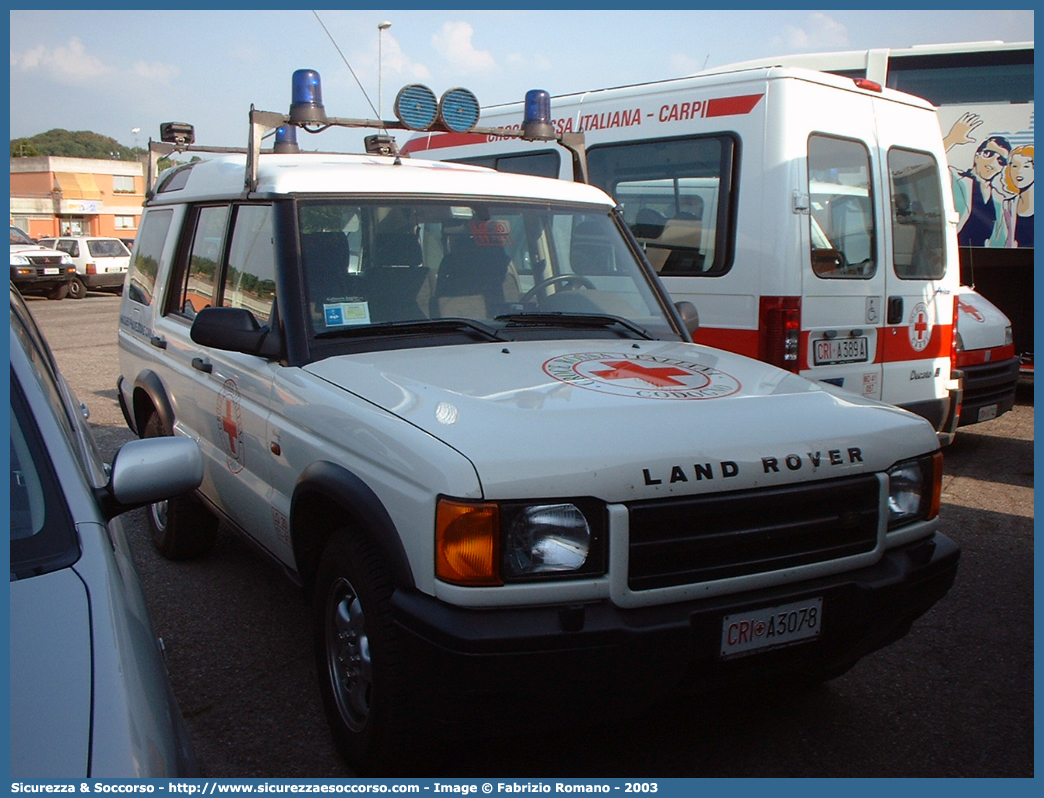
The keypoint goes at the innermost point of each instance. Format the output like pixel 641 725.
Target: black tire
pixel 59 292
pixel 363 674
pixel 77 290
pixel 181 528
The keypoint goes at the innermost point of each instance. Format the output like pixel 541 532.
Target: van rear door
pixel 844 269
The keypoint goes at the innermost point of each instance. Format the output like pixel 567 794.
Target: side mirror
pixel 151 470
pixel 233 330
pixel 689 315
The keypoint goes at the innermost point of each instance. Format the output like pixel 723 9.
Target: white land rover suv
pixel 459 406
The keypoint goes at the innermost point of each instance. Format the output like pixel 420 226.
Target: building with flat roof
pixel 53 196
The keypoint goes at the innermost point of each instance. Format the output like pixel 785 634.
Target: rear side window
pixel 145 265
pixel 676 196
pixel 918 221
pixel 842 209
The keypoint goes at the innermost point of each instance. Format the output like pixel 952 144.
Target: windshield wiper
pixel 580 320
pixel 416 327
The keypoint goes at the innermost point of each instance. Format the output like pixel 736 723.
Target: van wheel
pixel 181 528
pixel 77 290
pixel 59 291
pixel 363 675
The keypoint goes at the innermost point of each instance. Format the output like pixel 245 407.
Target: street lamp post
pixel 381 28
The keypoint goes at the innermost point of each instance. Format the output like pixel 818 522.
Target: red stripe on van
pixel 743 342
pixel 897 346
pixel 732 106
pixel 436 141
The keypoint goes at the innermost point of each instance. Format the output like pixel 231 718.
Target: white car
pixel 101 263
pixel 36 269
pixel 459 407
pixel 90 696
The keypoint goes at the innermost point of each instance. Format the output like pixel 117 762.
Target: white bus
pixel 983 92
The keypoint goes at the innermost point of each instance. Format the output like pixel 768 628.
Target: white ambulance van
pixel 807 216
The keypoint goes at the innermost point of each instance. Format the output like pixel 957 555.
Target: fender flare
pixel 150 383
pixel 323 483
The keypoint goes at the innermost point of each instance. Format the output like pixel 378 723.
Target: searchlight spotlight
pixel 458 110
pixel 416 107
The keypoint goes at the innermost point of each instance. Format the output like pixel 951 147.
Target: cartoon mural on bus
pixel 991 165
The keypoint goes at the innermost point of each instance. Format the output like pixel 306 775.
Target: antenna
pixel 338 49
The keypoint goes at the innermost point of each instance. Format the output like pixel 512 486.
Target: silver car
pixel 90 695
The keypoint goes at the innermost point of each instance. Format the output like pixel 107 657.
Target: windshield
pixel 19 237
pixel 518 269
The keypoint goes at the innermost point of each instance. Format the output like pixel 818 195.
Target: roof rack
pixel 416 109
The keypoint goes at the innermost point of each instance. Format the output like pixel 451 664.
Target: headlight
pixel 19 260
pixel 546 539
pixel 1008 338
pixel 488 543
pixel 914 490
pixel 67 260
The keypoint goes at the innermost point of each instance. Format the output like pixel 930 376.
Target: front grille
pixel 990 382
pixel 43 260
pixel 704 538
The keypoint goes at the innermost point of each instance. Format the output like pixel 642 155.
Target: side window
pixel 198 287
pixel 676 196
pixel 145 265
pixel 918 221
pixel 250 279
pixel 842 211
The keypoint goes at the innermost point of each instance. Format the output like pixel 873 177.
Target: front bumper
pixel 528 657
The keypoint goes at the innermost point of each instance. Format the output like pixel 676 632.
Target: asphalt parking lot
pixel 954 698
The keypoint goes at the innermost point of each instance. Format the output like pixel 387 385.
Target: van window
pixel 145 264
pixel 918 221
pixel 538 164
pixel 676 195
pixel 250 279
pixel 842 215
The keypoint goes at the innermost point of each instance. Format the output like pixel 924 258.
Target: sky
pixel 121 73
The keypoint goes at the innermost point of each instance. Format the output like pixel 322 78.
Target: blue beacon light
pixel 536 123
pixel 307 99
pixel 286 139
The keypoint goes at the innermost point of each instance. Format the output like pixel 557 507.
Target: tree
pixel 74 144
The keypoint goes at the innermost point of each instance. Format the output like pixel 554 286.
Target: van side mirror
pixel 689 315
pixel 234 330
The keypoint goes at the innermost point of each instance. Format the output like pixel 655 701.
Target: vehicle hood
pixel 982 324
pixel 622 420
pixel 50 677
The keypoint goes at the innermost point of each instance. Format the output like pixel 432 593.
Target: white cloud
pixel 396 61
pixel 453 42
pixel 821 33
pixel 156 71
pixel 70 63
pixel 528 62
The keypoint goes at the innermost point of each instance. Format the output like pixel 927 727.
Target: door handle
pixel 895 309
pixel 199 364
pixel 159 343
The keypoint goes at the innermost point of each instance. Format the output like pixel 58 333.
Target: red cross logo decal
pixel 228 424
pixel 971 311
pixel 921 325
pixel 661 377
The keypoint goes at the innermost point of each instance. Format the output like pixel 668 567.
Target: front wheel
pixel 77 290
pixel 363 674
pixel 181 528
